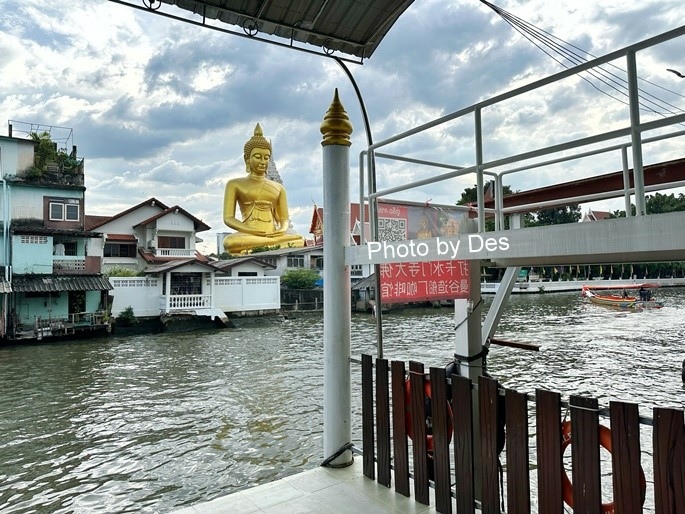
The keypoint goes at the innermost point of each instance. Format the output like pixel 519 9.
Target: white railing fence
pixel 231 294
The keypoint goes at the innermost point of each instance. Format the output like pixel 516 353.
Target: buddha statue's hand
pixel 260 233
pixel 281 228
pixel 244 228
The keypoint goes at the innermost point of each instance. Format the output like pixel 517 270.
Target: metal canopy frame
pixel 353 28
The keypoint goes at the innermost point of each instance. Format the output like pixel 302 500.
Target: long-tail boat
pixel 625 299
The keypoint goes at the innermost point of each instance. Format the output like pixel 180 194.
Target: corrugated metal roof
pixel 351 27
pixel 5 286
pixel 50 283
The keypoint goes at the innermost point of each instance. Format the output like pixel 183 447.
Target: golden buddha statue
pixel 263 204
pixel 424 232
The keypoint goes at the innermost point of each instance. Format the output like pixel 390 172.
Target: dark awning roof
pixel 232 263
pixel 5 286
pixel 129 238
pixel 38 283
pixel 351 27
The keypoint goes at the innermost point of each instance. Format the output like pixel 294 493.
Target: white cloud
pixel 161 108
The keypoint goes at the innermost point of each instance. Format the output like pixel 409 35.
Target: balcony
pixel 186 302
pixel 76 265
pixel 61 325
pixel 185 253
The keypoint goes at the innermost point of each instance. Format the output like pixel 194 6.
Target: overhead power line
pixel 609 79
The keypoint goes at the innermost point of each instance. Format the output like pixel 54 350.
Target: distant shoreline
pixel 563 286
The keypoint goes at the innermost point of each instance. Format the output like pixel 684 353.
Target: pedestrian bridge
pixel 630 135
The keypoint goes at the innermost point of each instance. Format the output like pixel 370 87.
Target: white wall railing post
pixel 337 412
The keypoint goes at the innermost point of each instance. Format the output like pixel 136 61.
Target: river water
pixel 157 422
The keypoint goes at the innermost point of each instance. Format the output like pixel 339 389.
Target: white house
pixel 158 243
pixel 285 259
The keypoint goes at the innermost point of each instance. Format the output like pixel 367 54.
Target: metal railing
pixel 174 252
pixel 189 301
pixel 631 133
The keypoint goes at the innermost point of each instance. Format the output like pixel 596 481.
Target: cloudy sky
pixel 162 108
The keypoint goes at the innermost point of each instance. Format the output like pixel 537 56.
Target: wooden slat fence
pixel 445 439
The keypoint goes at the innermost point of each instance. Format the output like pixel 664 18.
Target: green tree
pixel 558 215
pixel 127 317
pixel 46 151
pixel 260 249
pixel 300 279
pixel 658 204
pixel 470 196
pixel 123 272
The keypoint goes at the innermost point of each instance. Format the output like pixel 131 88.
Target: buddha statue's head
pixel 256 141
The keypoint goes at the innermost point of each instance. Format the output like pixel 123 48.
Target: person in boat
pixel 262 201
pixel 625 295
pixel 644 294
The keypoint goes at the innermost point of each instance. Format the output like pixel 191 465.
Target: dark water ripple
pixel 154 423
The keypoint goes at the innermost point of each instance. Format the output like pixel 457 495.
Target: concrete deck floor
pixel 319 490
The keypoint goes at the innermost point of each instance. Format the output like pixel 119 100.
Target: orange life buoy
pixel 407 414
pixel 604 442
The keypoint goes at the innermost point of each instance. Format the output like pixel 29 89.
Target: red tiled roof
pixel 151 258
pixel 91 222
pixel 316 227
pixel 105 219
pixel 601 215
pixel 200 225
pixel 121 237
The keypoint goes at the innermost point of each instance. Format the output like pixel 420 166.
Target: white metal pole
pixel 167 292
pixel 337 302
pixel 636 135
pixel 626 180
pixel 468 345
pixel 479 170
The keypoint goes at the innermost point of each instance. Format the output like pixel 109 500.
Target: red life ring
pixel 408 416
pixel 604 442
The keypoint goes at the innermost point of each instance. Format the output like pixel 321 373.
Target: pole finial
pixel 336 127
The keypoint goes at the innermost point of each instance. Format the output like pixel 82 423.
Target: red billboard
pixel 403 282
pixel 420 281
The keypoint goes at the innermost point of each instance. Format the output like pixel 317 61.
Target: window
pixel 247 274
pixel 34 240
pixel 60 211
pixel 185 283
pixel 119 250
pixel 171 242
pixel 70 248
pixel 296 261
